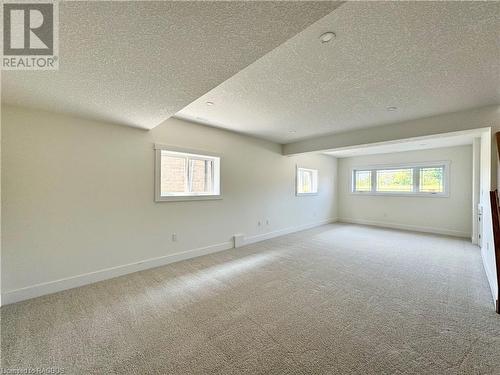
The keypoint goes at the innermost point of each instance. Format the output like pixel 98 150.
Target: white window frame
pixel 192 155
pixel 315 174
pixel 416 179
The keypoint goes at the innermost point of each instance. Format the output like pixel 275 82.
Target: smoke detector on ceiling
pixel 327 37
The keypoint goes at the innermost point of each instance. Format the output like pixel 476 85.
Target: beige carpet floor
pixel 338 299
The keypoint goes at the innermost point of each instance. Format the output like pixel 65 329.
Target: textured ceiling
pixel 425 58
pixel 138 63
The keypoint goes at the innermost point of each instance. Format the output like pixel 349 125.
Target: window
pixel 363 180
pixel 426 179
pixel 186 176
pixel 395 180
pixel 307 181
pixel 431 179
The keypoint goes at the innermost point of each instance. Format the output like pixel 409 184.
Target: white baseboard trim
pixel 50 287
pixel 266 236
pixel 413 228
pixel 490 276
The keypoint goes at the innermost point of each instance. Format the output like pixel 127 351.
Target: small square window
pixel 432 179
pixel 362 180
pixel 307 181
pixel 186 176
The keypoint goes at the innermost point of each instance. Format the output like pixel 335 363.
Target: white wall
pixel 78 197
pixel 448 215
pixel 0 210
pixel 487 242
pixel 486 117
pixel 476 189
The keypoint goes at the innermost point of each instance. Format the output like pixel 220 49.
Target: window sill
pixel 185 198
pixel 305 194
pixel 424 195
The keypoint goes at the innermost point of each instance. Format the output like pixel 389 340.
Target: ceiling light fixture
pixel 392 109
pixel 326 37
pixel 210 103
pixel 292 131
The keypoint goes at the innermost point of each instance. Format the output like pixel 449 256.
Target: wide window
pixel 307 181
pixel 418 179
pixel 186 176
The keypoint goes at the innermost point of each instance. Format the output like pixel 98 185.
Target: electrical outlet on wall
pixel 268 221
pixel 259 223
pixel 174 237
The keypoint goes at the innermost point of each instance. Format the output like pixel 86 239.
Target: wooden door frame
pixel 495 219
